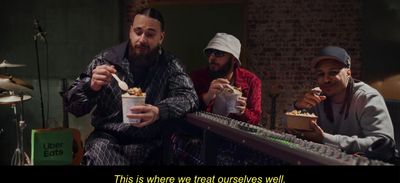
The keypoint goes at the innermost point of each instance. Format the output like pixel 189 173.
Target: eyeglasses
pixel 216 53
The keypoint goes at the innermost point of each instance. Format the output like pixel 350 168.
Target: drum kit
pixel 14 92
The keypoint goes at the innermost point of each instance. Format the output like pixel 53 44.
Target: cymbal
pixel 14 84
pixel 10 99
pixel 6 64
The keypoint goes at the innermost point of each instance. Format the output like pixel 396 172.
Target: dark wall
pixel 76 31
pixel 380 39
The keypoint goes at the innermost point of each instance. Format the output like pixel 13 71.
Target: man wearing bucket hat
pixel 351 114
pixel 223 69
pixel 223 52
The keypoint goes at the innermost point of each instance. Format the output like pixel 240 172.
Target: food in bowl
pixel 135 91
pixel 300 120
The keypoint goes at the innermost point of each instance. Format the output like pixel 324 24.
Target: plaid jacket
pixel 166 84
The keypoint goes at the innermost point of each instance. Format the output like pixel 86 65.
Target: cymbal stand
pixel 19 153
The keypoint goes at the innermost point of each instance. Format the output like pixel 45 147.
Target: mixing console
pixel 277 144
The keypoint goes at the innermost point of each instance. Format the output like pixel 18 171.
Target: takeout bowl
pixel 300 121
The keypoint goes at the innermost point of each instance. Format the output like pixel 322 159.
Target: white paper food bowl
pixel 127 102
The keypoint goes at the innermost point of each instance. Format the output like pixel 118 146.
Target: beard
pixel 143 60
pixel 223 71
pixel 140 63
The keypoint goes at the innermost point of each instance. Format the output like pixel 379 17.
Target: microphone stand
pixel 273 110
pixel 65 111
pixel 35 37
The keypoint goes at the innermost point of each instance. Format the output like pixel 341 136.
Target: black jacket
pixel 166 84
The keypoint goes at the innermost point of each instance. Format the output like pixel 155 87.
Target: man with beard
pixel 140 62
pixel 224 69
pixel 351 114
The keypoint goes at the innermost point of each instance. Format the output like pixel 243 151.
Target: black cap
pixel 335 53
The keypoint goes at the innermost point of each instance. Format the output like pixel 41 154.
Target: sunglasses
pixel 216 53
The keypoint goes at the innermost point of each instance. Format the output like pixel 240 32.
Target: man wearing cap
pixel 224 69
pixel 351 114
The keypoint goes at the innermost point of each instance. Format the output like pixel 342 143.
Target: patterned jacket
pixel 166 84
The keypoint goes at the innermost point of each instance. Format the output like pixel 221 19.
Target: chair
pixel 394 112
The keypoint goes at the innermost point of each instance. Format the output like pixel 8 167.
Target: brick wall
pixel 283 37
